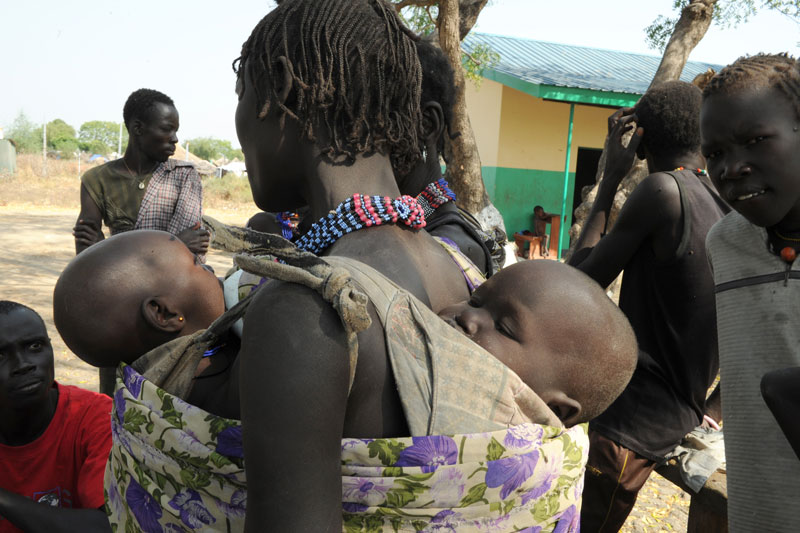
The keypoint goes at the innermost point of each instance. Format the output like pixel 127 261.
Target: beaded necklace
pixel 701 171
pixel 359 212
pixel 214 350
pixel 435 195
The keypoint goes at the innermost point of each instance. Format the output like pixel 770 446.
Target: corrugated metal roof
pixel 565 65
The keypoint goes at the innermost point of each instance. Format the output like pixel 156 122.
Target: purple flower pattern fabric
pixel 150 484
pixel 524 478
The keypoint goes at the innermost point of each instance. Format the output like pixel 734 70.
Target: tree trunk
pixel 689 31
pixel 464 163
pixel 693 24
pixel 468 15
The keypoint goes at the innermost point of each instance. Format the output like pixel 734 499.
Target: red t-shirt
pixel 65 465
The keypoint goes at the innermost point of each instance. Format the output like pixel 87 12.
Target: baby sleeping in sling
pixel 485 449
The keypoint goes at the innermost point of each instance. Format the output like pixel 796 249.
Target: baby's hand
pixel 196 238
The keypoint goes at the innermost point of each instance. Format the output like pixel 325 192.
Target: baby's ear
pixel 160 316
pixel 567 409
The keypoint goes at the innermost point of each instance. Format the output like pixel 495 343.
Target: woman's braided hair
pixel 355 75
pixel 775 71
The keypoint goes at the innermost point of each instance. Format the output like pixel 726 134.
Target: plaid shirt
pixel 173 200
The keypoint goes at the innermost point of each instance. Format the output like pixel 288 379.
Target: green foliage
pixel 474 495
pixel 727 14
pixel 61 138
pixel 420 19
pixel 66 148
pixel 94 137
pixel 228 188
pixel 481 57
pixel 495 450
pixel 101 137
pixel 209 148
pixel 423 21
pixel 24 133
pixel 59 131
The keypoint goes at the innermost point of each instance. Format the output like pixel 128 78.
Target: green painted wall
pixel 515 191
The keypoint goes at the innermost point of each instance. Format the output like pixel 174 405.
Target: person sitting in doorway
pixel 540 222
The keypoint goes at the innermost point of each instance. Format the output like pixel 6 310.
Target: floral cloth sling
pixel 478 465
pixel 486 453
pixel 173 467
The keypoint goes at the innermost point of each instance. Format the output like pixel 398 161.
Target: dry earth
pixel 36 244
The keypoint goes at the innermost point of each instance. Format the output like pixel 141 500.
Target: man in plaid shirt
pixel 144 189
pixel 173 200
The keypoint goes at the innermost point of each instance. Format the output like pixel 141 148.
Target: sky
pixel 79 61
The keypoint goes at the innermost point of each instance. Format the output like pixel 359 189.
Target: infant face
pixel 500 317
pixel 193 284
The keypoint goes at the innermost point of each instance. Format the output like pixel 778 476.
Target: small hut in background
pixel 8 155
pixel 203 167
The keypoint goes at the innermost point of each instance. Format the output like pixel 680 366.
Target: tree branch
pixel 471 57
pixel 428 11
pixel 468 11
pixel 689 30
pixel 408 3
pixel 468 15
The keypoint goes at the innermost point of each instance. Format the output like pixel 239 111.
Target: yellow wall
pixel 533 133
pixel 522 142
pixel 484 104
pixel 516 130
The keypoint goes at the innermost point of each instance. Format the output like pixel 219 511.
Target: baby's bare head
pixel 558 330
pixel 127 294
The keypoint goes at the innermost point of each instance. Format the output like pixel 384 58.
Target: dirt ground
pixel 36 244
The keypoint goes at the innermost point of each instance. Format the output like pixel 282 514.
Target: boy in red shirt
pixel 54 439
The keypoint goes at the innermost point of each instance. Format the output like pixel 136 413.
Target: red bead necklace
pixel 788 253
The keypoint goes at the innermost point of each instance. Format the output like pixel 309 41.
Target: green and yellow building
pixel 540 120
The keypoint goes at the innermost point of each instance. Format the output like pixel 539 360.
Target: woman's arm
pixel 294 376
